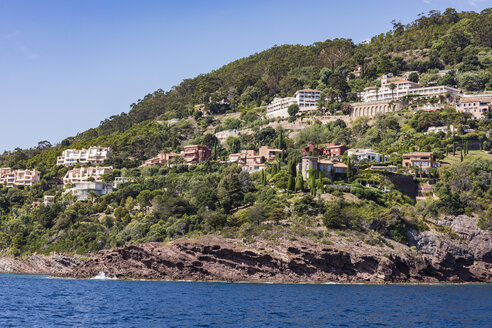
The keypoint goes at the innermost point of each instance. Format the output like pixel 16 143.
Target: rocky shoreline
pixel 465 256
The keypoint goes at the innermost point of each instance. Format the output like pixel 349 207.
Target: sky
pixel 67 65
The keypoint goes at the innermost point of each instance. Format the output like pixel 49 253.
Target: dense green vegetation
pixel 162 203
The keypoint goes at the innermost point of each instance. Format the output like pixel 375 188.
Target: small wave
pixel 102 276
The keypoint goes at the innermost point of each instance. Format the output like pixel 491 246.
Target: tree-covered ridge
pixel 450 40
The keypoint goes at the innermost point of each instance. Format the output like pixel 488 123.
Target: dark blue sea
pixel 38 301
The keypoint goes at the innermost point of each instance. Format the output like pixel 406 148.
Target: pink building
pixel 196 153
pixel 269 152
pixel 11 177
pixel 474 106
pixel 159 160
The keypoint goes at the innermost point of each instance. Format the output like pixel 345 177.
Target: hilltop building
pixel 93 155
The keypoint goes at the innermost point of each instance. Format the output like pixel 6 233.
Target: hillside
pixel 423 218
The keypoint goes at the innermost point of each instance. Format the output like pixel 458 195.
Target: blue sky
pixel 67 65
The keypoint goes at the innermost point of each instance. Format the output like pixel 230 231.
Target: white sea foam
pixel 102 276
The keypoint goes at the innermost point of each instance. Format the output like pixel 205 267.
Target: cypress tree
pixel 349 170
pixel 290 184
pixel 299 182
pixel 321 186
pixel 461 155
pixel 313 185
pixel 292 168
pixel 454 149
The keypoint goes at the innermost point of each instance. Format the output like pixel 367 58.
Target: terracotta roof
pixel 418 154
pixel 339 165
pixel 308 90
pixel 469 100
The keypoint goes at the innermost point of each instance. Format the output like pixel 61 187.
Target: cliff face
pixel 461 255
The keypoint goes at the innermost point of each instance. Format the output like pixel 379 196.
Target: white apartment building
pixel 278 107
pixel 11 177
pixel 444 129
pixel 93 155
pixel 368 154
pixel 119 180
pixel 85 190
pixel 84 173
pixel 307 99
pixel 404 88
pixel 223 135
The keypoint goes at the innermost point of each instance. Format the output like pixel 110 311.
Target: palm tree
pixel 392 87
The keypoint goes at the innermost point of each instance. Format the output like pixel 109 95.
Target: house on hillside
pixel 196 153
pixel 269 152
pixel 424 160
pixel 365 154
pixel 474 106
pixel 223 135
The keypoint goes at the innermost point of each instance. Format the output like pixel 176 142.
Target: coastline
pixel 266 282
pixel 216 259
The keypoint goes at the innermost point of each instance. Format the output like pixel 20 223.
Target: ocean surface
pixel 38 301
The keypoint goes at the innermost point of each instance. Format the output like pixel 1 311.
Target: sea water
pixel 39 301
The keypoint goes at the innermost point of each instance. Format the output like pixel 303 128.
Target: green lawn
pixel 472 153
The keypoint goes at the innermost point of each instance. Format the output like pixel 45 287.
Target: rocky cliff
pixel 461 253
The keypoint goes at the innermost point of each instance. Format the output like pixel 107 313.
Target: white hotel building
pixel 405 88
pixel 93 155
pixel 307 100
